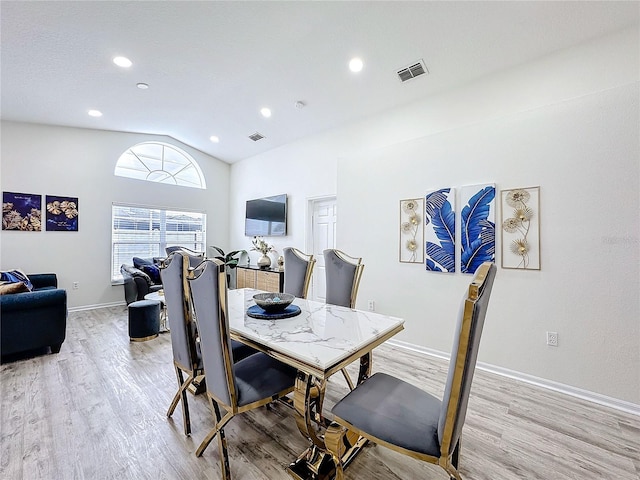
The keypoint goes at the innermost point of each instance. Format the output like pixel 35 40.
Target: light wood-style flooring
pixel 97 410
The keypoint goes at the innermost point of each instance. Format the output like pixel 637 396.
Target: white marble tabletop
pixel 322 335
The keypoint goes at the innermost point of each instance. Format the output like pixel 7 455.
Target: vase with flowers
pixel 260 245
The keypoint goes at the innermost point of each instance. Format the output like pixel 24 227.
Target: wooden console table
pixel 269 280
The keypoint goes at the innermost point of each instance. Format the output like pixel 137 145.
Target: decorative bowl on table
pixel 273 302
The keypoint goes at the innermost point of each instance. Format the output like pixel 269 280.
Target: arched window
pixel 161 163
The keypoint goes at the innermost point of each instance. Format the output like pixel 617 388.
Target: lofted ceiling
pixel 211 66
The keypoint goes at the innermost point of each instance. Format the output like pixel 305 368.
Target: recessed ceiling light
pixel 123 62
pixel 214 139
pixel 95 113
pixel 355 65
pixel 142 86
pixel 266 112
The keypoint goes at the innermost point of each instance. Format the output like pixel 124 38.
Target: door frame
pixel 308 232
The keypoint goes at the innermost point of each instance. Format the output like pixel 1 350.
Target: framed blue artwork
pixel 62 214
pixel 477 226
pixel 21 211
pixel 440 230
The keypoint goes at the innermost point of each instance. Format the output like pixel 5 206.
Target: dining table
pixel 319 341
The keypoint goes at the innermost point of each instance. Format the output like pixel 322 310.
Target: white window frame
pixel 157 239
pixel 160 162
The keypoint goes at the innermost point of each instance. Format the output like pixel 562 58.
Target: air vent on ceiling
pixel 412 71
pixel 256 136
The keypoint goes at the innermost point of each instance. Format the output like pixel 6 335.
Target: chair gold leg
pixel 206 441
pixel 222 445
pixel 363 373
pixel 220 423
pixel 348 378
pixel 176 397
pixel 182 394
pixel 455 457
pixel 454 474
pixel 366 362
pixel 451 470
pixel 451 466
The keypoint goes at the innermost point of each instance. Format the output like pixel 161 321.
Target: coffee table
pixel 164 320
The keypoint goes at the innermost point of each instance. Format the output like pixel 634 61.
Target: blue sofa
pixel 34 320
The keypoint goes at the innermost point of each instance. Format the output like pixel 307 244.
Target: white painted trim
pixel 100 305
pixel 587 395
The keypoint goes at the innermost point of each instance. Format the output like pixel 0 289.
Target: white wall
pixel 304 169
pixel 80 163
pixel 569 123
pixel 584 155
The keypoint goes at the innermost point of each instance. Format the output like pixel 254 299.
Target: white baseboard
pixel 587 395
pixel 92 307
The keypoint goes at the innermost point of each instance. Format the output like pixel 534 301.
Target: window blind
pixel 146 232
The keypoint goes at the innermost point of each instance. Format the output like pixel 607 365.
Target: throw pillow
pixel 14 276
pixel 153 271
pixel 9 288
pixel 139 262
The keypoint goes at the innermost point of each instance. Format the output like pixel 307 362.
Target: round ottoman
pixel 144 320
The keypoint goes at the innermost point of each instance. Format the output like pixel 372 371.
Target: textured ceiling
pixel 211 66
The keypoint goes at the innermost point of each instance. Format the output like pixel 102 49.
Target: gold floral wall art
pixel 62 213
pixel 21 211
pixel 411 230
pixel 521 228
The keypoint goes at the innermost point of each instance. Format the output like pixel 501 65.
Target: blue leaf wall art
pixel 477 226
pixel 440 230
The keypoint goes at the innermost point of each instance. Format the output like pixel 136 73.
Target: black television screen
pixel 266 216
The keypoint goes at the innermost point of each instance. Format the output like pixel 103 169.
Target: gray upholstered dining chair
pixel 174 248
pixel 343 274
pixel 404 418
pixel 186 351
pixel 298 268
pixel 232 387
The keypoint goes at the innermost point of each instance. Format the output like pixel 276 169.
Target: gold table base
pixel 316 463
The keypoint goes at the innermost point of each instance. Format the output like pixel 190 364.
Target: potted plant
pixel 230 260
pixel 260 245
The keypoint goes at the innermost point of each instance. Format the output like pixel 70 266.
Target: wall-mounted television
pixel 266 216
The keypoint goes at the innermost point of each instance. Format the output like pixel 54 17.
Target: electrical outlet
pixel 372 306
pixel 552 339
pixel 76 285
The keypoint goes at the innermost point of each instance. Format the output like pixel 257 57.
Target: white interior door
pixel 323 235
